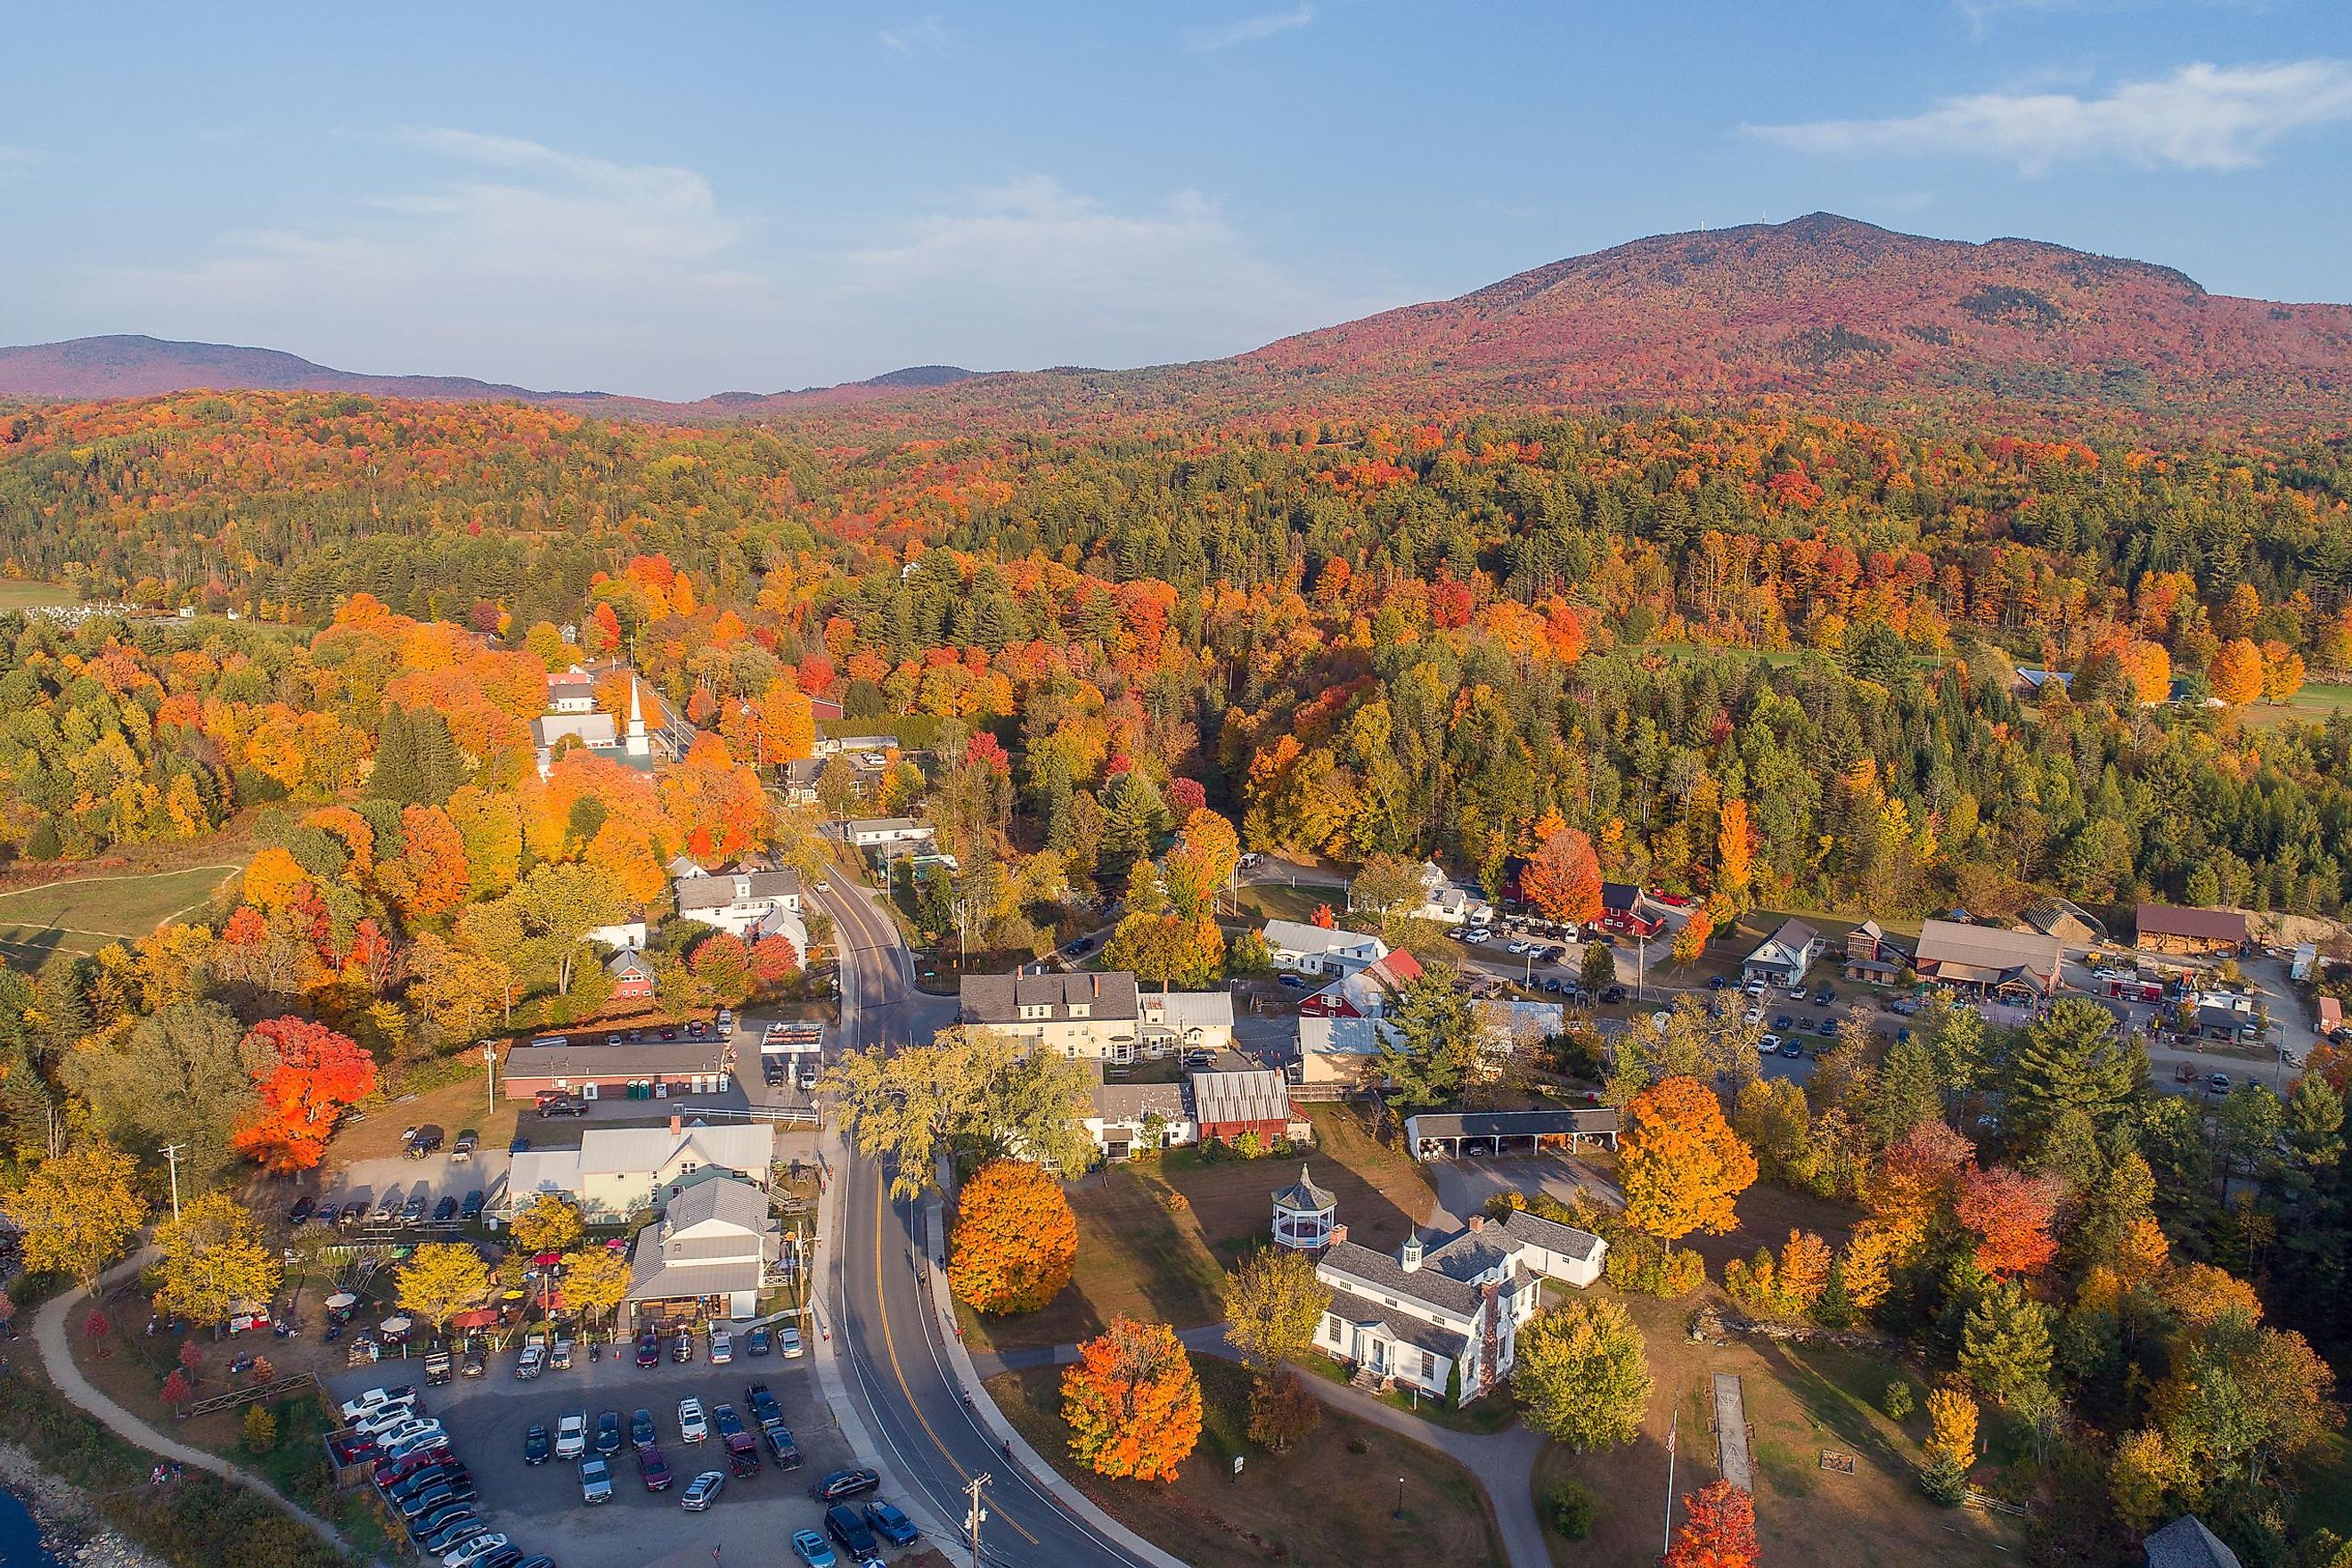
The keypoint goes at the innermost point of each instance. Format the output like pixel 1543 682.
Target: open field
pixel 2314 702
pixel 1328 1500
pixel 82 914
pixel 1155 1237
pixel 1799 1401
pixel 24 594
pixel 1263 901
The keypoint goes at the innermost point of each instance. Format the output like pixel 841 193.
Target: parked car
pixel 653 1470
pixel 848 1527
pixel 468 1142
pixel 608 1432
pixel 571 1434
pixel 563 1106
pixel 1769 1044
pixel 1904 1005
pixel 722 1348
pixel 1081 945
pixel 811 1549
pixel 649 1349
pixel 1612 996
pixel 728 1420
pixel 532 1361
pixel 780 1446
pixel 1784 1023
pixel 1824 996
pixel 742 1455
pixel 559 1355
pixel 1793 1050
pixel 301 1210
pixel 682 1347
pixel 536 1446
pixel 470 1209
pixel 387 1208
pixel 412 1211
pixel 1716 982
pixel 595 1481
pixel 840 1484
pixel 422 1141
pixel 703 1490
pixel 2219 1083
pixel 693 1426
pixel 890 1524
pixel 473 1551
pixel 351 1213
pixel 759 1342
pixel 446 1210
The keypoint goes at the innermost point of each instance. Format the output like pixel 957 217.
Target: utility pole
pixel 975 1515
pixel 490 1070
pixel 172 1156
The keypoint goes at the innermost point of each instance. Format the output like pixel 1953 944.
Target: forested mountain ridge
pixel 1821 311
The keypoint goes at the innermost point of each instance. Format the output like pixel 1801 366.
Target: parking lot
pixel 539 1507
pixel 434 1177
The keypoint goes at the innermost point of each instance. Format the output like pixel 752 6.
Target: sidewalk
pixel 51 1338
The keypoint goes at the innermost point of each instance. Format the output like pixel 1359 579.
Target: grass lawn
pixel 1328 1500
pixel 2314 702
pixel 1490 1413
pixel 2325 1500
pixel 24 593
pixel 1263 901
pixel 82 914
pixel 1155 1237
pixel 1799 1401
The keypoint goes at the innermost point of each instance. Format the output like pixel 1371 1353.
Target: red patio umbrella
pixel 475 1318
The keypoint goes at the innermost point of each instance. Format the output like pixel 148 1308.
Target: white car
pixel 474 1551
pixel 571 1434
pixel 1769 1044
pixel 374 1399
pixel 385 1417
pixel 424 1434
pixel 722 1347
pixel 693 1426
pixel 1756 987
pixel 1756 1015
pixel 788 1340
pixel 1477 935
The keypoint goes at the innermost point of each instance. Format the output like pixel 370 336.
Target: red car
pixel 653 1468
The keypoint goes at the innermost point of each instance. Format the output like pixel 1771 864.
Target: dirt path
pixel 51 1337
pixel 1731 1433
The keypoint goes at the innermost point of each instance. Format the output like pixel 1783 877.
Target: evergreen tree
pixel 1905 1093
pixel 2005 1348
pixel 2072 1057
pixel 1432 1051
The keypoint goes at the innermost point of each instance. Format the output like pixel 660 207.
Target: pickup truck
pixel 439 1367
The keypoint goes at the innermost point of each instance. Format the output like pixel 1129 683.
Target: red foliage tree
pixel 1324 917
pixel 306 1076
pixel 1186 796
pixel 774 960
pixel 176 1389
pixel 1718 1529
pixel 2010 1214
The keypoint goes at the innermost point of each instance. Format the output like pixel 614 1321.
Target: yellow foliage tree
pixel 213 1261
pixel 1016 1242
pixel 1682 1166
pixel 1132 1402
pixel 442 1278
pixel 2237 673
pixel 77 1211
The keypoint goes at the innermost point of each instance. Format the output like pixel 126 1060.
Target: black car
pixel 471 1209
pixel 780 1446
pixel 729 1424
pixel 1614 995
pixel 649 1349
pixel 641 1430
pixel 1792 1050
pixel 608 1434
pixel 890 1524
pixel 566 1106
pixel 423 1140
pixel 1081 945
pixel 446 1210
pixel 536 1446
pixel 843 1484
pixel 301 1210
pixel 846 1526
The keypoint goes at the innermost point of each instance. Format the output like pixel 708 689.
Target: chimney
pixel 1094 986
pixel 1477 1223
pixel 677 1124
pixel 1409 1255
pixel 1338 1234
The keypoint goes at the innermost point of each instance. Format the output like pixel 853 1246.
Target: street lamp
pixel 1399 1514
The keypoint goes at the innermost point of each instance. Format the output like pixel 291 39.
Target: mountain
pixel 1822 309
pixel 136 366
pixel 128 365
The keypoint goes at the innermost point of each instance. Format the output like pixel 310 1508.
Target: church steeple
pixel 638 744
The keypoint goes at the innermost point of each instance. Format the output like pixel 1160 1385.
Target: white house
pixel 621 936
pixel 1185 1021
pixel 1447 903
pixel 1304 948
pixel 706 1258
pixel 1446 1315
pixel 1128 1119
pixel 620 1171
pixel 1092 1015
pixel 1339 1052
pixel 750 903
pixel 879 832
pixel 1784 956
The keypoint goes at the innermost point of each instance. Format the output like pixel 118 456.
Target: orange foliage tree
pixel 2010 1214
pixel 2237 672
pixel 1563 878
pixel 1682 1166
pixel 1132 1402
pixel 1735 848
pixel 305 1075
pixel 430 876
pixel 1718 1529
pixel 1016 1242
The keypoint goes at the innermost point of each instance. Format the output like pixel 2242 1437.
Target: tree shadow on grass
pixel 1823 1401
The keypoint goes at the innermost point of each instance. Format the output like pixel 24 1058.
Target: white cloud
pixel 925 35
pixel 568 264
pixel 1248 30
pixel 1031 273
pixel 2200 117
pixel 514 261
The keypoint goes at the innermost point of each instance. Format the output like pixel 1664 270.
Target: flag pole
pixel 1667 1543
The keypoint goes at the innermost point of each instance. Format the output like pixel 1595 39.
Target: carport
pixel 1450 1135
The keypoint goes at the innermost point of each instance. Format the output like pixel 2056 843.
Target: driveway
pixel 1464 1186
pixel 539 1507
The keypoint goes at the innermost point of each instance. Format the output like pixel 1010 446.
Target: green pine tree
pixel 2005 1349
pixel 2072 1058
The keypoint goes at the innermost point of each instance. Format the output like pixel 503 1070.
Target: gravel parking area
pixel 539 1506
pixel 436 1176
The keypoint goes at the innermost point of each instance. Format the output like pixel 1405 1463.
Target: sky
pixel 679 200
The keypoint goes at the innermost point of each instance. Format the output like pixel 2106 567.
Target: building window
pixel 1331 1325
pixel 1428 1367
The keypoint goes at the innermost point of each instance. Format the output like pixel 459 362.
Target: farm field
pixel 22 593
pixel 82 914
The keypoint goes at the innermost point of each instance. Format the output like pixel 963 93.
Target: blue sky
pixel 684 199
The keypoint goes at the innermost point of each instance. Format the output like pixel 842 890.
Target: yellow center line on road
pixel 890 1347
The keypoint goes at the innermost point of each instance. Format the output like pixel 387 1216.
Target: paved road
pixel 50 1335
pixel 899 1368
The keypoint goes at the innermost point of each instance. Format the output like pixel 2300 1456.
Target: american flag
pixel 1670 1431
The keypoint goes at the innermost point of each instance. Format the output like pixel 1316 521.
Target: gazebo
pixel 1303 1215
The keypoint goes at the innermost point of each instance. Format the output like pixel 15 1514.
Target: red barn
pixel 633 976
pixel 1227 1104
pixel 1627 910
